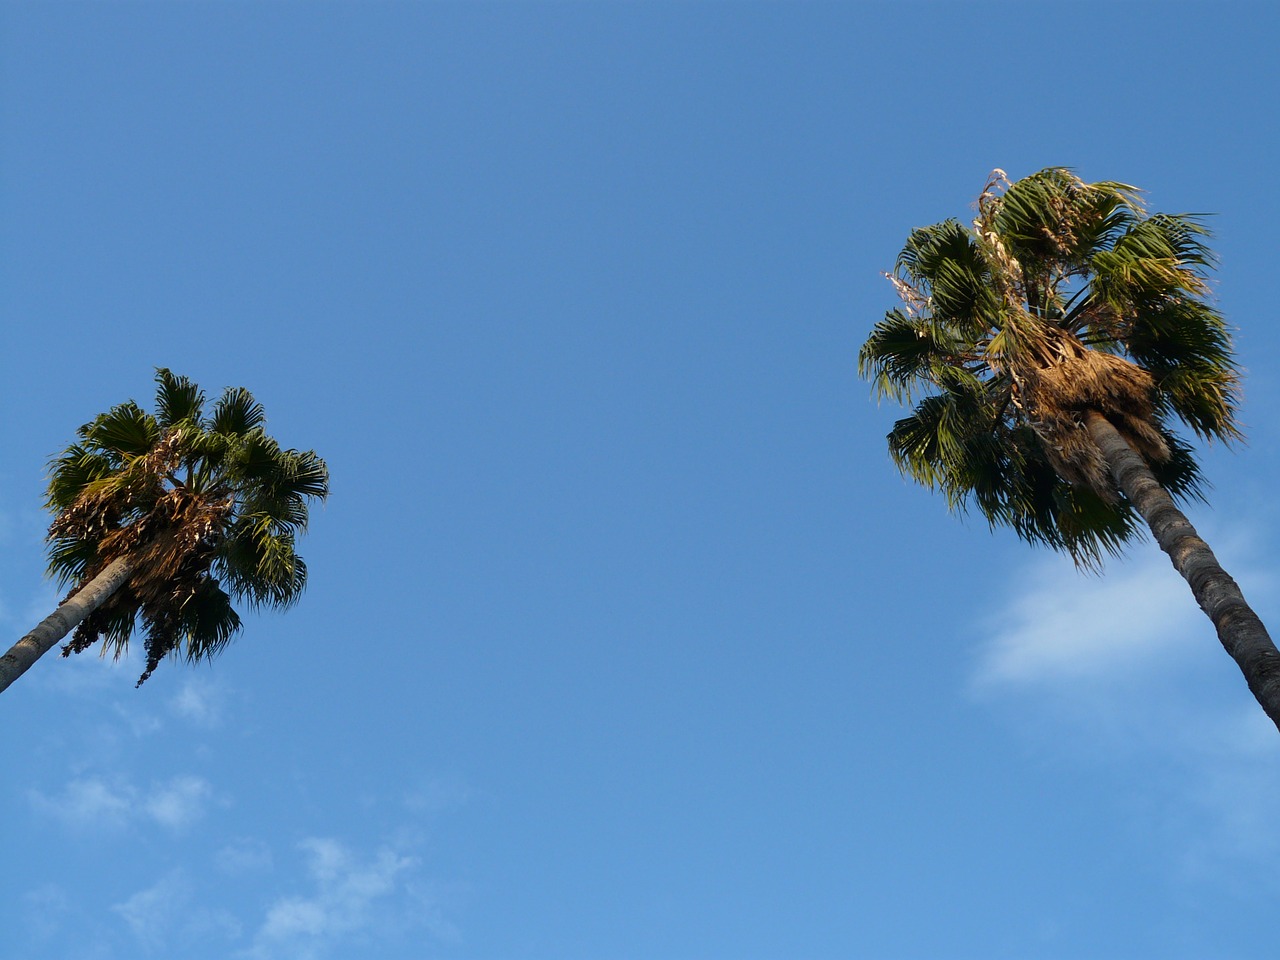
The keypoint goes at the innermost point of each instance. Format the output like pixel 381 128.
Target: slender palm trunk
pixel 62 621
pixel 1241 632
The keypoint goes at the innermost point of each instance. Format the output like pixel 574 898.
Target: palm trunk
pixel 1241 632
pixel 62 621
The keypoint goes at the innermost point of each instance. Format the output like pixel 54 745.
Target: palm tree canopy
pixel 1062 297
pixel 206 507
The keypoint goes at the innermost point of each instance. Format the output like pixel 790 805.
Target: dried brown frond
pixel 1103 317
pixel 100 510
pixel 1057 394
pixel 997 183
pixel 164 457
pixel 183 527
pixel 170 549
pixel 916 303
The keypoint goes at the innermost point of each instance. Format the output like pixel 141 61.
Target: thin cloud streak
pixel 1061 625
pixel 91 801
pixel 352 897
pixel 1058 625
pixel 98 802
pixel 244 855
pixel 198 703
pixel 1124 670
pixel 166 913
pixel 180 802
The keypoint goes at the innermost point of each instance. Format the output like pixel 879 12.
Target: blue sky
pixel 623 637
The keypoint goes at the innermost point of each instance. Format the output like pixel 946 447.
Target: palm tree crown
pixel 205 509
pixel 1064 297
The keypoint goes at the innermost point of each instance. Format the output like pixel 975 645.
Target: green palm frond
pixel 1164 236
pixel 177 399
pixel 69 558
pixel 125 430
pixel 206 510
pixel 944 264
pixel 940 443
pixel 208 620
pixel 236 413
pixel 76 469
pixel 1052 218
pixel 905 353
pixel 258 562
pixel 304 474
pixel 1201 395
pixel 998 320
pixel 255 456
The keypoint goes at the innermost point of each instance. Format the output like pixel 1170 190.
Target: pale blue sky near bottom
pixel 623 638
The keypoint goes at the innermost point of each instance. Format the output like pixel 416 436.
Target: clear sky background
pixel 623 638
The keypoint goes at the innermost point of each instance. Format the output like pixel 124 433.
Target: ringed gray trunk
pixel 62 621
pixel 1241 632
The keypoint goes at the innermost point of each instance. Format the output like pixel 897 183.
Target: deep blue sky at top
pixel 615 567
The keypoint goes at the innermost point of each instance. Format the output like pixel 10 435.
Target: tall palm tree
pixel 1050 347
pixel 165 518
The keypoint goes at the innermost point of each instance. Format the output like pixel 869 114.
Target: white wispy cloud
pixel 244 855
pixel 1060 625
pixel 44 909
pixel 152 913
pixel 139 721
pixel 351 897
pixel 167 915
pixel 179 802
pixel 96 802
pixel 436 795
pixel 346 889
pixel 198 702
pixel 82 674
pixel 92 801
pixel 1125 669
pixel 1232 760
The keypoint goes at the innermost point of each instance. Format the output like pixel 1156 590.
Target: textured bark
pixel 62 621
pixel 1241 632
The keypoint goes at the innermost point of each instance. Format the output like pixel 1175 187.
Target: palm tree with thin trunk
pixel 1048 349
pixel 162 520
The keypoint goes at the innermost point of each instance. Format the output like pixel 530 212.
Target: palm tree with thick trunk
pixel 1048 349
pixel 162 520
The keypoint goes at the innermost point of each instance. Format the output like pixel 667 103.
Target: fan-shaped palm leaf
pixel 166 520
pixel 1053 348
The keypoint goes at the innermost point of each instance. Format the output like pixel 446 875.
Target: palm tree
pixel 1050 348
pixel 165 518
